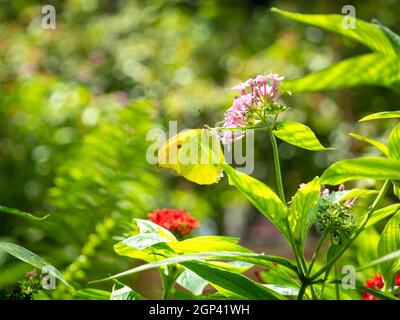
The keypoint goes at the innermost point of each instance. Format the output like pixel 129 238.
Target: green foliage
pixel 362 168
pixel 389 242
pixel 32 259
pixel 21 213
pixel 303 210
pixel 261 196
pixel 298 135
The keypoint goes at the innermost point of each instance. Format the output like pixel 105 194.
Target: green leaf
pixel 232 281
pixel 257 259
pixel 396 188
pixel 394 143
pixel 143 241
pixel 389 242
pixel 366 33
pixel 207 243
pixel 32 259
pixel 283 290
pixel 93 294
pixel 192 282
pixel 383 213
pixel 162 249
pixel 362 168
pixel 302 210
pixel 298 135
pixel 379 145
pixel 147 226
pixel 379 294
pixel 21 213
pixel 389 257
pixel 381 115
pixel 260 195
pixel 369 69
pixel 124 293
pixel 393 37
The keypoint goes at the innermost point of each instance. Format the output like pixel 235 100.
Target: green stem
pixel 337 290
pixel 323 283
pixel 302 291
pixel 168 282
pixel 278 173
pixel 319 246
pixel 342 250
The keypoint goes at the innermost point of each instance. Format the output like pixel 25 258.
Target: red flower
pixel 375 283
pixel 368 296
pixel 398 279
pixel 178 221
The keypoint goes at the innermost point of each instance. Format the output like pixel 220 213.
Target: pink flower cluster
pixel 262 90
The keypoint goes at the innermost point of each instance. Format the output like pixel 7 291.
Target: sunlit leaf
pixel 381 115
pixel 394 143
pixel 32 259
pixel 93 294
pixel 389 257
pixel 195 154
pixel 147 226
pixel 298 135
pixel 283 290
pixel 393 37
pixel 383 213
pixel 232 281
pixel 389 242
pixel 260 195
pixel 124 293
pixel 257 259
pixel 366 33
pixel 302 210
pixel 369 69
pixel 379 145
pixel 192 282
pixel 362 168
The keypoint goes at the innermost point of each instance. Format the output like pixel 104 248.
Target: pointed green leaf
pixel 383 213
pixel 298 135
pixel 381 115
pixel 93 294
pixel 257 259
pixel 369 69
pixel 302 209
pixel 192 282
pixel 147 226
pixel 124 293
pixel 20 213
pixel 389 257
pixel 389 242
pixel 260 195
pixel 232 281
pixel 393 37
pixel 394 143
pixel 366 33
pixel 379 145
pixel 31 258
pixel 362 168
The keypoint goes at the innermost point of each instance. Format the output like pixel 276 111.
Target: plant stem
pixel 278 173
pixel 302 291
pixel 319 246
pixel 337 290
pixel 168 282
pixel 370 211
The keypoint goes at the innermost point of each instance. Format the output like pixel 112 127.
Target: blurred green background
pixel 77 102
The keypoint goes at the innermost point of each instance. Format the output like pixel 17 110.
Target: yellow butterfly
pixel 195 154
